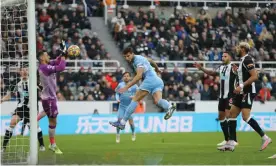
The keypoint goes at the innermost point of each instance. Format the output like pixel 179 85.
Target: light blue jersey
pixel 125 98
pixel 151 82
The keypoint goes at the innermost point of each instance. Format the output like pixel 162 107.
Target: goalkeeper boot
pixel 169 113
pixel 55 149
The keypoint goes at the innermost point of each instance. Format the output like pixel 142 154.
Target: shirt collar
pixel 244 57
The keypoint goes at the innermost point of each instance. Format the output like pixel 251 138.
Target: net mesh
pixel 14 55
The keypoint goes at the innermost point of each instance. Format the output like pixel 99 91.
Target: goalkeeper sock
pixel 164 104
pixel 132 128
pixel 52 130
pixel 130 109
pixel 7 137
pixel 40 137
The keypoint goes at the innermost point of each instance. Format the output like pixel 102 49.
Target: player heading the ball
pixel 152 84
pixel 47 73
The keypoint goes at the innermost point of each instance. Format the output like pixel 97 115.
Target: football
pixel 73 51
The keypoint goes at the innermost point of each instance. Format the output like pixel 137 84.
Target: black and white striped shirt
pixel 227 80
pixel 246 64
pixel 21 89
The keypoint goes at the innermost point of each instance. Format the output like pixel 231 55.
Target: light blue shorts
pixel 121 112
pixel 152 84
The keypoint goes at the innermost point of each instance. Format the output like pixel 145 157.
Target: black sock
pixel 224 127
pixel 7 137
pixel 40 138
pixel 232 124
pixel 254 124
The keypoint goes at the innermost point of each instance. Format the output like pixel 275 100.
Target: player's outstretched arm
pixel 6 98
pixel 209 72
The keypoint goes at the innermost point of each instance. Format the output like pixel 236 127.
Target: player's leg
pixel 164 104
pixel 223 121
pixel 232 124
pixel 254 124
pixel 40 139
pixel 50 108
pixel 140 94
pixel 246 110
pixel 156 91
pixel 24 123
pixel 121 112
pixel 8 134
pixel 41 115
pixel 132 127
pixel 52 133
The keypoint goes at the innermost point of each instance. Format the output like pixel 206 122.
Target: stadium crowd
pixel 181 37
pixel 62 21
pixel 198 38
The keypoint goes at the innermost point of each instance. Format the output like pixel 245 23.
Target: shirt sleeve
pixel 248 63
pixel 56 61
pixel 49 69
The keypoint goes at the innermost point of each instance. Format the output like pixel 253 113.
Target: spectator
pixel 205 93
pixel 259 27
pixel 264 93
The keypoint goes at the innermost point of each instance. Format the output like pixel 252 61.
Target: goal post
pixel 18 43
pixel 33 158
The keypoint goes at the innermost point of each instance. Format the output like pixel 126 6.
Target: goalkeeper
pixel 47 73
pixel 22 110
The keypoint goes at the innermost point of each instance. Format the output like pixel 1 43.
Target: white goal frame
pixel 33 151
pixel 33 155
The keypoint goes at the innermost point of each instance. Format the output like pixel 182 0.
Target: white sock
pixel 123 122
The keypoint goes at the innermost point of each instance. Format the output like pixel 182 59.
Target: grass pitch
pixel 158 149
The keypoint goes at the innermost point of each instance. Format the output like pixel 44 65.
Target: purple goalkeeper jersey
pixel 47 73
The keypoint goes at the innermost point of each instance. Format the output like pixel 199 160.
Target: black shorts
pixel 244 100
pixel 23 112
pixel 224 104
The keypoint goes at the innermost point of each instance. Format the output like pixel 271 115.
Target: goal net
pixel 14 56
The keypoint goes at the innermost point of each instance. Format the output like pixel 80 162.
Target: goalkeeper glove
pixel 63 49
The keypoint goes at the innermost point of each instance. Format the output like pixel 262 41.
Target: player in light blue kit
pixel 124 99
pixel 151 83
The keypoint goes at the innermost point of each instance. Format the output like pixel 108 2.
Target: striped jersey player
pixel 228 76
